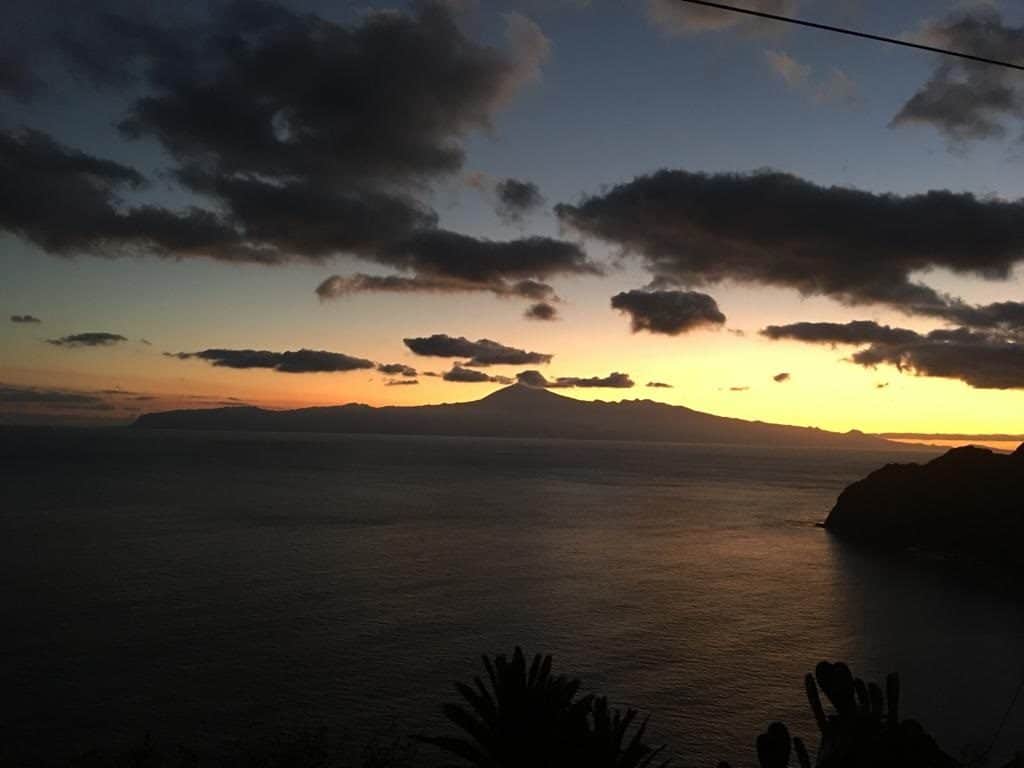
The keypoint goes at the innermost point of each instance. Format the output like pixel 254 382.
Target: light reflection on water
pixel 202 586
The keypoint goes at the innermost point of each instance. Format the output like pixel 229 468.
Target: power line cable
pixel 854 33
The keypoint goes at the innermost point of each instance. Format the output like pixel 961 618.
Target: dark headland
pixel 967 504
pixel 516 411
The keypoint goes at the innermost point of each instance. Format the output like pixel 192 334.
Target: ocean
pixel 212 588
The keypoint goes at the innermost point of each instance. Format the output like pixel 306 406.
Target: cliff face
pixel 968 502
pixel 517 411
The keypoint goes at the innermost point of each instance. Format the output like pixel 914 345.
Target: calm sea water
pixel 206 587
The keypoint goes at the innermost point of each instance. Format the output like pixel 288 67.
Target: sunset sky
pixel 774 222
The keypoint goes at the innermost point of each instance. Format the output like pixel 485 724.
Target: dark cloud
pixel 857 332
pixel 300 361
pixel 773 228
pixel 470 376
pixel 303 137
pixel 1002 315
pixel 659 385
pixel 400 382
pixel 396 369
pixel 669 312
pixel 981 359
pixel 441 253
pixel 781 377
pixel 17 79
pixel 516 199
pixel 25 319
pixel 967 100
pixel 479 353
pixel 338 286
pixel 542 310
pixel 882 385
pixel 68 202
pixel 88 340
pixel 612 381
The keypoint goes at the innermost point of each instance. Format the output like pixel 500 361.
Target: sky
pixel 309 203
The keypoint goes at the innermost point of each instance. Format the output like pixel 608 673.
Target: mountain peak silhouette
pixel 518 396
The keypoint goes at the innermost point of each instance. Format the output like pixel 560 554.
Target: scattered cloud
pixel 659 385
pixel 835 88
pixel 94 339
pixel 300 361
pixel 965 100
pixel 795 74
pixel 478 354
pixel 472 376
pixel 397 369
pixel 25 319
pixel 682 19
pixel 400 382
pixel 695 229
pixel 668 312
pixel 612 381
pixel 781 378
pixel 739 389
pixel 516 199
pixel 542 310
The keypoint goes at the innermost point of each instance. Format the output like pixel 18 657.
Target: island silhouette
pixel 516 411
pixel 965 504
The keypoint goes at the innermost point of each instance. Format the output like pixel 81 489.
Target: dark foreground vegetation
pixel 522 715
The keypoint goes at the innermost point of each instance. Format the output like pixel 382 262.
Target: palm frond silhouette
pixel 528 717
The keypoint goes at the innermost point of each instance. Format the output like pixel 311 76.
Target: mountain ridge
pixel 514 411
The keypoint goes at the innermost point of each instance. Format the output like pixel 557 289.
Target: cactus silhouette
pixel 863 731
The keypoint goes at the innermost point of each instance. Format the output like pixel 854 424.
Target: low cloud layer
pixel 93 339
pixel 478 354
pixel 300 361
pixel 611 381
pixel 966 100
pixel 776 229
pixel 668 312
pixel 25 319
pixel 983 360
pixel 14 395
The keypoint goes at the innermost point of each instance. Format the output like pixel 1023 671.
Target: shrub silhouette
pixel 529 718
